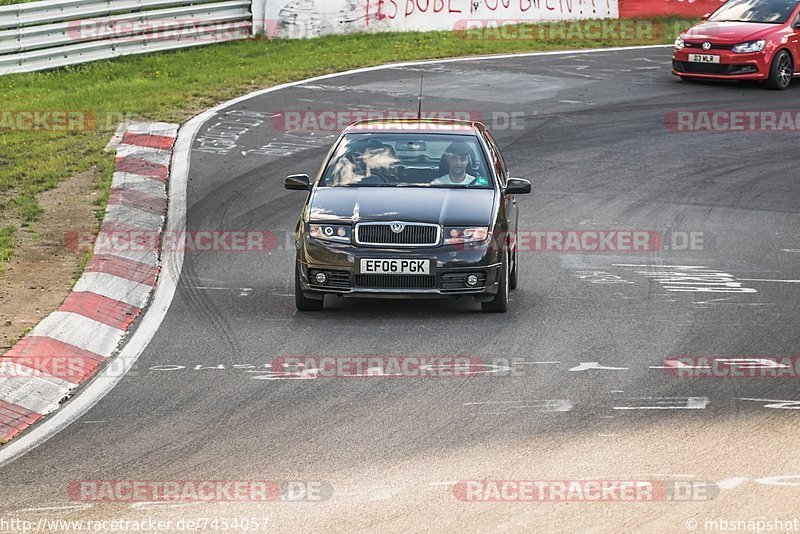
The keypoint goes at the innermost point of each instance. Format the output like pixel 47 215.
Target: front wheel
pixel 781 72
pixel 499 304
pixel 301 302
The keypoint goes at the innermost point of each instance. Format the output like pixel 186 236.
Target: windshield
pixel 770 11
pixel 408 160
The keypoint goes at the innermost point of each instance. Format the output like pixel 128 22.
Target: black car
pixel 406 209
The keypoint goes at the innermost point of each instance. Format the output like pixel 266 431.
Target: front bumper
pixel 449 265
pixel 732 66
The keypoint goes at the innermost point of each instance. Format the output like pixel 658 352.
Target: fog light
pixel 321 278
pixel 472 280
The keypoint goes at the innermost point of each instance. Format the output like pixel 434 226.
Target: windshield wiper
pixel 751 21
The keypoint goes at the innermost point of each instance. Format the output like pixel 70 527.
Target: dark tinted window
pixel 775 11
pixel 498 161
pixel 408 160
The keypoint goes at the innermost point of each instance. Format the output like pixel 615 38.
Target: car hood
pixel 449 207
pixel 728 32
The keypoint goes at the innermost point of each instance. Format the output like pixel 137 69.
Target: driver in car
pixel 459 159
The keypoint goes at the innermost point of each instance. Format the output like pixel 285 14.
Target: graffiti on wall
pixel 313 18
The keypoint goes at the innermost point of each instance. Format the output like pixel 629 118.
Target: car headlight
pixel 679 44
pixel 472 234
pixel 750 46
pixel 330 232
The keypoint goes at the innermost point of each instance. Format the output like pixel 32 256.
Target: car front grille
pixel 690 67
pixel 411 235
pixel 714 46
pixel 395 281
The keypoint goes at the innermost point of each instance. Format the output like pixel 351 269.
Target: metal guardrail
pixel 55 33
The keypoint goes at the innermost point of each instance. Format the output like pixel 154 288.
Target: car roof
pixel 415 126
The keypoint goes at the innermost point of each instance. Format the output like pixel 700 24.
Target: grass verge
pixel 6 245
pixel 174 86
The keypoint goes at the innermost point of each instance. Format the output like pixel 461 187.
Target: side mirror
pixel 518 186
pixel 297 182
pixel 706 16
pixel 796 25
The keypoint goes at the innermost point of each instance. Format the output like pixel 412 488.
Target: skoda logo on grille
pixel 706 46
pixel 398 227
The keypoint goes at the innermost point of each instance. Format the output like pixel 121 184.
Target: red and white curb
pixel 66 348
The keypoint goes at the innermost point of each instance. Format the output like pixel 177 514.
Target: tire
pixel 499 304
pixel 301 302
pixel 781 72
pixel 513 275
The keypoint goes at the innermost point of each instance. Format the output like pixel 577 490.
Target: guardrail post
pixel 258 8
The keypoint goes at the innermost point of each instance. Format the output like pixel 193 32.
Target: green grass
pixel 81 264
pixel 174 86
pixel 6 245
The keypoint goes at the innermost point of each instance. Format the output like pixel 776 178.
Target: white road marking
pixel 588 366
pixel 150 505
pixel 66 507
pixel 656 266
pixel 775 481
pixel 769 280
pixel 373 494
pixel 669 403
pixel 208 288
pixel 731 483
pixel 549 405
pixel 640 476
pixel 713 300
pixel 777 404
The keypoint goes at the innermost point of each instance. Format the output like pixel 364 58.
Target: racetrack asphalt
pixel 590 131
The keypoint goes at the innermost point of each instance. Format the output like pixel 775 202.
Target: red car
pixel 743 40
